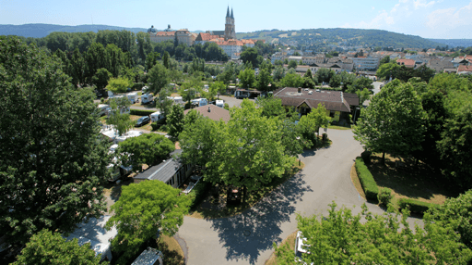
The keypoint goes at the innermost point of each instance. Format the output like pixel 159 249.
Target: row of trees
pixel 430 122
pixel 395 71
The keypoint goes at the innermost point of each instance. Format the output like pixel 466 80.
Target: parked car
pixel 300 246
pixel 142 121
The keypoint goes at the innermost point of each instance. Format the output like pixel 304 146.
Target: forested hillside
pixel 40 30
pixel 454 42
pixel 316 38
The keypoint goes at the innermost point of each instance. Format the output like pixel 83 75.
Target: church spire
pixel 227 12
pixel 232 13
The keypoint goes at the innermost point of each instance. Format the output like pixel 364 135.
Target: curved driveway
pixel 248 238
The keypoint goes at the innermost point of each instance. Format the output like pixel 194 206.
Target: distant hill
pixel 343 37
pixel 454 42
pixel 42 30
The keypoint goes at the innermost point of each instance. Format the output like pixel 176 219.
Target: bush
pixel 155 126
pixel 102 100
pixel 385 196
pixel 367 180
pixel 325 137
pixel 199 192
pixel 141 112
pixel 334 122
pixel 137 86
pixel 226 107
pixel 366 156
pixel 416 206
pixel 187 105
pixel 164 128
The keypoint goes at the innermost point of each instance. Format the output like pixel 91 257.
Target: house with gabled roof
pixel 337 103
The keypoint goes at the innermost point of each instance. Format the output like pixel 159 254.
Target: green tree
pixel 292 64
pixel 158 78
pixel 393 122
pixel 151 60
pixel 364 95
pixel 335 81
pixel 52 161
pixel 47 247
pixel 292 80
pixel 247 78
pixel 141 211
pixel 119 116
pixel 388 69
pixel 149 149
pixel 264 79
pixel 101 77
pixel 279 73
pixel 251 55
pixel 164 102
pixel 343 238
pixel 324 75
pixel 216 88
pixel 165 60
pixel 175 121
pixel 118 85
pixel 385 60
pixel 359 84
pixel 308 73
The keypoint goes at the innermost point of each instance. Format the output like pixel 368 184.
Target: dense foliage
pixel 149 149
pixel 48 248
pixel 52 159
pixel 344 238
pixel 144 209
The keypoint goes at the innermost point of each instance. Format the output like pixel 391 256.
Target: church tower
pixel 230 32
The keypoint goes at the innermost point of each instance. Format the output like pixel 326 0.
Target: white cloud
pixel 422 3
pixel 450 17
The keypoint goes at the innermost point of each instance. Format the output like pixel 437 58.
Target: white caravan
pixel 156 116
pixel 133 97
pixel 117 170
pixel 220 103
pixel 103 109
pixel 147 98
pixel 200 102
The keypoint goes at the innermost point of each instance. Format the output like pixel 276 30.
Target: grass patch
pixel 289 241
pixel 337 127
pixel 356 181
pixel 408 180
pixel 173 253
pixel 214 205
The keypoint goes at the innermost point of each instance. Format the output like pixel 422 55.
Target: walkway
pixel 248 238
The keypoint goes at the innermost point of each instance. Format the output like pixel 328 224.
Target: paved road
pixel 376 90
pixel 247 238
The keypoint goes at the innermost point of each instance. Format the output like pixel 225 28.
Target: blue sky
pixel 450 19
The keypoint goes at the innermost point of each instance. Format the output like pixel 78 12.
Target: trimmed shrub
pixel 415 206
pixel 325 137
pixel 155 126
pixel 385 196
pixel 366 156
pixel 199 192
pixel 367 180
pixel 102 100
pixel 141 112
pixel 226 106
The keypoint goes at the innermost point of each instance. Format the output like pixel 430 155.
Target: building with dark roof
pixel 337 103
pixel 213 112
pixel 170 171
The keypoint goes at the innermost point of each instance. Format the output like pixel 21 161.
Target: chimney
pixel 209 109
pixel 299 90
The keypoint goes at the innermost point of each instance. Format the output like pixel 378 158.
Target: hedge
pixel 415 206
pixel 141 112
pixel 367 180
pixel 198 193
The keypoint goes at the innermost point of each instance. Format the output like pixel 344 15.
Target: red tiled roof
pixel 215 114
pixel 464 68
pixel 406 62
pixel 205 37
pixel 165 33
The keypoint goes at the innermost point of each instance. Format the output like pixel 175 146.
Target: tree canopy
pixel 148 148
pixel 175 121
pixel 48 248
pixel 142 210
pixel 342 238
pixel 52 161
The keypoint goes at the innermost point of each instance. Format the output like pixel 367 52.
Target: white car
pixel 300 247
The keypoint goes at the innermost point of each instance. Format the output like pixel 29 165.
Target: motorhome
pixel 220 103
pixel 127 135
pixel 133 97
pixel 103 109
pixel 156 116
pixel 147 98
pixel 198 102
pixel 178 99
pixel 117 170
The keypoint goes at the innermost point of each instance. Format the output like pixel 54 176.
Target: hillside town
pixel 176 147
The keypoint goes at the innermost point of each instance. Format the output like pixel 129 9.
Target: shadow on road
pixel 246 235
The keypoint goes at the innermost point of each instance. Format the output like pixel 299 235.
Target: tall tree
pixel 144 209
pixel 158 78
pixel 149 149
pixel 165 60
pixel 48 248
pixel 264 79
pixel 118 85
pixel 101 78
pixel 119 116
pixel 52 161
pixel 175 121
pixel 251 55
pixel 393 122
pixel 247 78
pixel 342 238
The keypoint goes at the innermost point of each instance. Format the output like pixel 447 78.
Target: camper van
pixel 198 102
pixel 147 98
pixel 103 109
pixel 178 99
pixel 133 97
pixel 156 116
pixel 220 103
pixel 117 171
